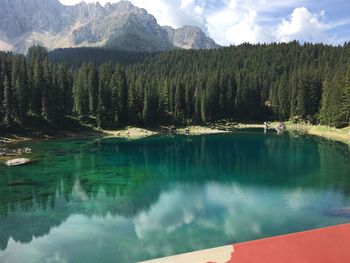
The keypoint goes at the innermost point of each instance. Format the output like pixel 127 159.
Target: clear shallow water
pixel 113 200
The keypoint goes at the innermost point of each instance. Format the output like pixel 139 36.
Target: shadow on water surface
pixel 164 195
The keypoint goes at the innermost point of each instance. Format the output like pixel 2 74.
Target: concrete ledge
pixel 325 245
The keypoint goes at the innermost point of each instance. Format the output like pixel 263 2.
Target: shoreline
pixel 9 141
pixel 139 133
pixel 133 133
pixel 329 133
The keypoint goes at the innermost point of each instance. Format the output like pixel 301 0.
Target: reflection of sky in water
pixel 124 201
pixel 209 215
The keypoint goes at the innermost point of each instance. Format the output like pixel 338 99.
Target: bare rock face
pixel 123 26
pixel 189 37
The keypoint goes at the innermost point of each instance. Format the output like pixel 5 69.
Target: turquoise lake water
pixel 114 200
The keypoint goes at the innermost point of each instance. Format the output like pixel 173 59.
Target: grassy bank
pixel 342 135
pixel 330 133
pixel 136 133
pixel 130 132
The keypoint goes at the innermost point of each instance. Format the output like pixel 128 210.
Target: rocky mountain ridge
pixel 120 26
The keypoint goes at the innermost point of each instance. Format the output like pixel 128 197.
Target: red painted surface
pixel 326 245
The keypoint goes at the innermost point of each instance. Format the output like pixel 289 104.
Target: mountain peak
pixel 190 37
pixel 118 25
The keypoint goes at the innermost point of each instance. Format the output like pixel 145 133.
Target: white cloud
pixel 231 27
pixel 175 13
pixel 309 27
pixel 245 21
pixel 74 2
pixel 5 46
pixel 303 25
pixel 238 22
pixel 186 3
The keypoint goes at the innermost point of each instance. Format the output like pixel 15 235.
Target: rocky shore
pixel 14 152
pixel 13 156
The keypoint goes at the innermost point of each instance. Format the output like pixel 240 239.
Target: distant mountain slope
pixel 118 26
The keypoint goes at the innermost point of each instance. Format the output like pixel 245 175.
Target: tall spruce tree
pixel 345 99
pixel 92 86
pixel 147 113
pixel 8 104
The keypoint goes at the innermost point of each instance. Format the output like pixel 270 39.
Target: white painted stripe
pixel 217 255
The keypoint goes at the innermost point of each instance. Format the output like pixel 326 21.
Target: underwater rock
pixel 341 212
pixel 17 162
pixel 23 183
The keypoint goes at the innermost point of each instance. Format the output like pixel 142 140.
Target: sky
pixel 254 21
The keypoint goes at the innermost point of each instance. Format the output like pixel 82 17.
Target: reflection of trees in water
pixel 126 177
pixel 26 218
pixel 32 207
pixel 335 168
pixel 272 160
pixel 281 161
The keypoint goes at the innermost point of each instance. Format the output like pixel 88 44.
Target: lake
pixel 116 200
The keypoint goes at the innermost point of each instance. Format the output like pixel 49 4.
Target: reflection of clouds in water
pixel 187 217
pixel 231 210
pixel 75 238
pixel 57 258
pixel 239 213
pixel 296 199
pixel 173 210
pixel 183 206
pixel 15 248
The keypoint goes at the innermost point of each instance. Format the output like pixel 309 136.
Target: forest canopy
pixel 246 83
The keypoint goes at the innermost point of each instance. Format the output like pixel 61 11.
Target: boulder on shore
pixel 14 152
pixel 17 162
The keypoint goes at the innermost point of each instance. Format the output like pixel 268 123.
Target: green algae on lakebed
pixel 115 200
